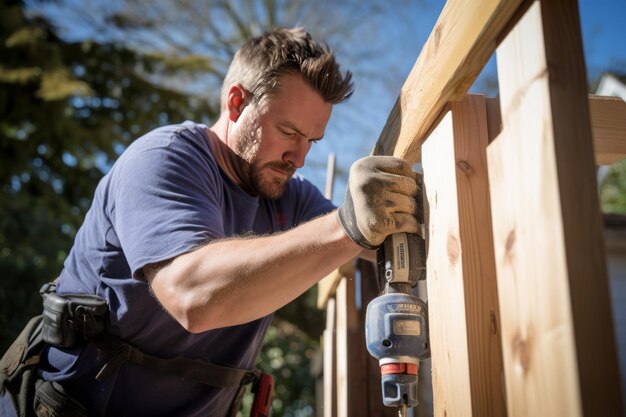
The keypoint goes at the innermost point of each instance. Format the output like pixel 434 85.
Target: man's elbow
pixel 197 317
pixel 192 308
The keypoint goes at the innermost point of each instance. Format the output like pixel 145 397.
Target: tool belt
pixel 71 319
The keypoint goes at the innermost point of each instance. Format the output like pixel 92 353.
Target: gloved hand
pixel 380 200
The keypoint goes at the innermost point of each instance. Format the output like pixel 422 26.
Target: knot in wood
pixel 521 352
pixel 454 249
pixel 493 322
pixel 510 243
pixel 465 167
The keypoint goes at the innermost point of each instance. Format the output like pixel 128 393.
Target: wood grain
pixel 608 124
pixel 462 289
pixel 462 41
pixel 557 332
pixel 330 361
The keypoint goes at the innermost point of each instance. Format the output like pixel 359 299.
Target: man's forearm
pixel 235 281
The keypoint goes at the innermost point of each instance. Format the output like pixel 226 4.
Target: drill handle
pixel 402 259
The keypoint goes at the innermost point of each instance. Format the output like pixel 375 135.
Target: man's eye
pixel 314 140
pixel 285 133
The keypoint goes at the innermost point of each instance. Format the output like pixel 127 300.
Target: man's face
pixel 274 136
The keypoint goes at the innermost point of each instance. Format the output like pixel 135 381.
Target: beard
pixel 260 177
pixel 274 186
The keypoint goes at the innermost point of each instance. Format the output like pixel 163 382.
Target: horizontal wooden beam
pixel 608 124
pixel 462 41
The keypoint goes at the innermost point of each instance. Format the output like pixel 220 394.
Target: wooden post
pixel 462 289
pixel 557 329
pixel 345 302
pixel 330 365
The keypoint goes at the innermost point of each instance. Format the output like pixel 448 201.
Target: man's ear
pixel 236 101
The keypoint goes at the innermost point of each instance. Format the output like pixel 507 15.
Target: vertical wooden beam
pixel 330 365
pixel 470 125
pixel 446 303
pixel 343 302
pixel 557 329
pixel 462 289
pixel 349 367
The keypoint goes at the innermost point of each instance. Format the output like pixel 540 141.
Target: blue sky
pixel 603 24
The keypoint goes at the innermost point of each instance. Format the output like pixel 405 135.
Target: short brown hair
pixel 260 62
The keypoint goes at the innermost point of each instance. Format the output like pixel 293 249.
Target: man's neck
pixel 232 164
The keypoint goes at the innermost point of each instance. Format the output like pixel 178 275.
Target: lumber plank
pixel 326 286
pixel 462 289
pixel 470 124
pixel 330 361
pixel 341 348
pixel 462 41
pixel 608 123
pixel 446 303
pixel 556 323
pixel 345 324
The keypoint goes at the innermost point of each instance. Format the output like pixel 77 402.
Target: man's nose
pixel 296 154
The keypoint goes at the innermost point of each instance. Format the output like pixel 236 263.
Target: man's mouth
pixel 282 170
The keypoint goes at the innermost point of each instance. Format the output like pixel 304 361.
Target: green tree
pixel 613 189
pixel 67 109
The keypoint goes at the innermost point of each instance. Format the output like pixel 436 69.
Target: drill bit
pixel 402 411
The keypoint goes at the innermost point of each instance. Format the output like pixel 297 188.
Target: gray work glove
pixel 380 200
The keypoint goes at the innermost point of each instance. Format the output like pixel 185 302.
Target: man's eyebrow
pixel 291 126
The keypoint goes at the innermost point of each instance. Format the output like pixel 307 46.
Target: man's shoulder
pixel 186 139
pixel 172 154
pixel 165 135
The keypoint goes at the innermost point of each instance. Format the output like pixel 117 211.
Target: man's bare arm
pixel 236 281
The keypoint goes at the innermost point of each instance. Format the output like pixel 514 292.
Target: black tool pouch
pixel 70 319
pixel 51 400
pixel 18 368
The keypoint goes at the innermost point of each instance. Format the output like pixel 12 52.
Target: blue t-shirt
pixel 165 196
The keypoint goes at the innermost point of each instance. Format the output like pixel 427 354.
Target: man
pixel 197 235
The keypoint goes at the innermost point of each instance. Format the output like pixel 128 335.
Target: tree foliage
pixel 613 189
pixel 67 109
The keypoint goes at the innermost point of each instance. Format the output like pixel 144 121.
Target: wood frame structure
pixel 519 305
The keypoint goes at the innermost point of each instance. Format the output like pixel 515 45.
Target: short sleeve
pixel 165 201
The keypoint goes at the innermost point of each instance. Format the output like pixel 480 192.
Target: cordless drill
pixel 396 323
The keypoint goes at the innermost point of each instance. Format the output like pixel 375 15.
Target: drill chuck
pixel 396 334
